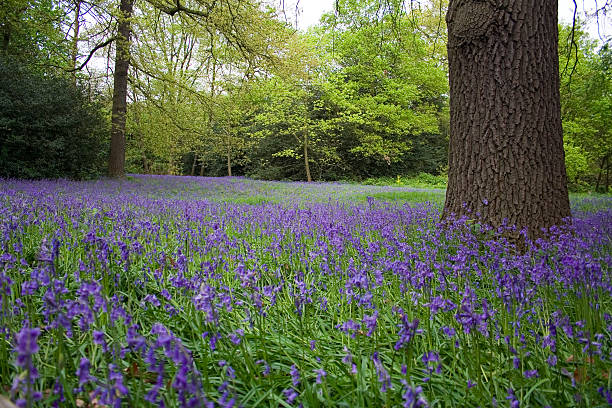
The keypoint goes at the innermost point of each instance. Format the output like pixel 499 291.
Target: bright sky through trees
pixel 311 10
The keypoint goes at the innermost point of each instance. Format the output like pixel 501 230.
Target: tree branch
pixel 91 53
pixel 572 46
pixel 178 7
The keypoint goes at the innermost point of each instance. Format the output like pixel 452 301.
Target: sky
pixel 311 11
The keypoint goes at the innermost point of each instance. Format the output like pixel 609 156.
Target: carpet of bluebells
pixel 201 292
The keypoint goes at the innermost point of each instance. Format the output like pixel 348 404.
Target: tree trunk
pixel 145 164
pixel 201 166
pixel 600 172
pixel 6 38
pixel 506 158
pixel 75 39
pixel 306 165
pixel 607 176
pixel 116 165
pixel 193 164
pixel 229 162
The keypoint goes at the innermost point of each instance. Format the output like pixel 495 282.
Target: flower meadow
pixel 202 292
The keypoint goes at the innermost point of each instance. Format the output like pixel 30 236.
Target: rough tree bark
pixel 116 162
pixel 506 158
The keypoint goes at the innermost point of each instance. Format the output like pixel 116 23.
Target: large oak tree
pixel 506 159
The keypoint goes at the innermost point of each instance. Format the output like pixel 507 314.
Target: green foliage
pixel 281 126
pixel 48 127
pixel 191 92
pixel 576 162
pixel 365 107
pixel 421 180
pixel 391 92
pixel 31 32
pixel 586 103
pixel 357 105
pixel 364 93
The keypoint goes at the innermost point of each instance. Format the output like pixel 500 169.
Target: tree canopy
pixel 586 96
pixel 218 88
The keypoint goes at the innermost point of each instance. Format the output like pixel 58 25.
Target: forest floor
pixel 190 291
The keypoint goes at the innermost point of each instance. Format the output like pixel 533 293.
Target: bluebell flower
pixel 295 376
pixel 320 374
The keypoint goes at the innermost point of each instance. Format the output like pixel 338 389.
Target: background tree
pixel 49 125
pixel 31 32
pixel 243 25
pixel 283 131
pixel 395 86
pixel 374 102
pixel 283 124
pixel 49 128
pixel 586 103
pixel 116 160
pixel 168 62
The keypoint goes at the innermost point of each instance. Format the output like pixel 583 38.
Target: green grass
pixel 421 180
pixel 435 197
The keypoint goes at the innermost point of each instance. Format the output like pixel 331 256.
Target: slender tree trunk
pixel 600 173
pixel 116 165
pixel 6 38
pixel 75 38
pixel 193 164
pixel 306 165
pixel 201 166
pixel 213 70
pixel 607 176
pixel 506 158
pixel 229 162
pixel 145 164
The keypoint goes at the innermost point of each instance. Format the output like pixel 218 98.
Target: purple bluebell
pixel 383 375
pixel 290 395
pixel 412 397
pixel 266 367
pixel 321 373
pixel 295 375
pixel 408 329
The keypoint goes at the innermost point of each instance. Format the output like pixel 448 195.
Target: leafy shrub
pixel 576 162
pixel 428 180
pixel 48 127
